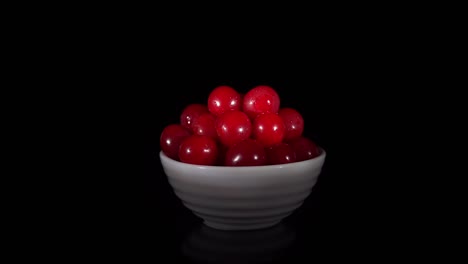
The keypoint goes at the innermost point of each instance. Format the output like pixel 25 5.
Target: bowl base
pixel 221 226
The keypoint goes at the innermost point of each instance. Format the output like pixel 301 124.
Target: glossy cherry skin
pixel 293 122
pixel 170 139
pixel 204 125
pixel 246 153
pixel 190 113
pixel 304 148
pixel 199 150
pixel 268 129
pixel 280 154
pixel 223 98
pixel 233 127
pixel 261 99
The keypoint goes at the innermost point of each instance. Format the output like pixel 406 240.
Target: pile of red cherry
pixel 238 130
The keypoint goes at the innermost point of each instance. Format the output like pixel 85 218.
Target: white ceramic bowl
pixel 243 198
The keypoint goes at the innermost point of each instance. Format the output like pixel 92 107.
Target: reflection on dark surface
pixel 207 245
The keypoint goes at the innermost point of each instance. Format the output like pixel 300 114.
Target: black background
pixel 352 90
pixel 127 78
pixel 352 98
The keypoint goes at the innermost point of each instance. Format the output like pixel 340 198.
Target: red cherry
pixel 268 129
pixel 204 125
pixel 261 99
pixel 190 113
pixel 304 148
pixel 293 122
pixel 246 153
pixel 223 98
pixel 170 139
pixel 233 127
pixel 280 154
pixel 200 150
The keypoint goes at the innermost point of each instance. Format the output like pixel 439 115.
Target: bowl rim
pixel 317 160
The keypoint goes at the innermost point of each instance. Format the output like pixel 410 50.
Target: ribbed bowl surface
pixel 242 198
